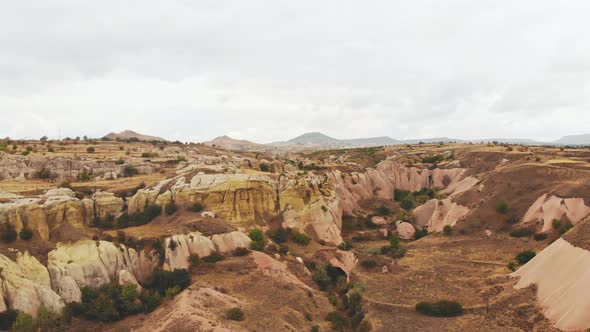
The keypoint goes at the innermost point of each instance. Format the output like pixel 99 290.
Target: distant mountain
pixel 583 139
pixel 129 134
pixel 319 140
pixel 228 143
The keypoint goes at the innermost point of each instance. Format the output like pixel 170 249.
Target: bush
pixel 556 223
pixel 315 328
pixel 345 246
pixel 338 321
pixel 197 207
pixel 420 233
pixel 443 308
pixel 407 204
pixel 194 260
pixel 502 207
pixel 8 233
pixel 383 210
pixel 301 238
pixel 119 161
pixel 524 256
pixel 65 184
pixel 264 167
pixel 399 195
pixel 149 155
pixel 447 230
pixel 257 245
pixel 129 171
pixel 522 232
pixel 90 150
pixel 241 252
pixel 280 235
pixel 162 280
pixel 368 263
pixel 512 266
pixel 172 291
pixel 26 234
pixel 23 323
pixel 433 159
pixel 171 208
pixel 256 234
pixel 84 176
pixel 213 258
pixel 235 314
pixel 540 236
pixel 172 245
pixel 45 174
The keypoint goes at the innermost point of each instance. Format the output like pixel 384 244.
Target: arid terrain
pixel 121 234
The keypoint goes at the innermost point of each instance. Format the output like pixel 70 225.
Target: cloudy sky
pixel 271 70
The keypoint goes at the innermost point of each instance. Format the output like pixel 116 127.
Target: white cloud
pixel 269 71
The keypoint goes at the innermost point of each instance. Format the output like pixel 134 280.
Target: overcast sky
pixel 271 70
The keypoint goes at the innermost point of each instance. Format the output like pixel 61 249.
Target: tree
pixel 90 149
pixel 264 167
pixel 43 139
pixel 130 171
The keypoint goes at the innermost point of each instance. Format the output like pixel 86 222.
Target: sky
pixel 271 70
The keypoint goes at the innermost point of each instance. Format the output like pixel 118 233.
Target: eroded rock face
pixel 186 244
pixel 229 242
pixel 562 274
pixel 56 208
pixel 436 214
pixel 547 208
pixel 405 231
pixel 25 285
pixel 95 263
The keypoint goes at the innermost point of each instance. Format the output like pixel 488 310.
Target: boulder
pixel 405 231
pixel 229 242
pixel 25 285
pixel 126 278
pixel 379 220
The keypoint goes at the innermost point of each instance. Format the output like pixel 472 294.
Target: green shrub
pixel 383 210
pixel 420 233
pixel 566 229
pixel 150 155
pixel 556 223
pixel 119 161
pixel 91 150
pixel 256 234
pixel 8 233
pixel 280 235
pixel 162 280
pixel 84 176
pixel 337 319
pixel 194 260
pixel 524 256
pixel 197 207
pixel 301 238
pixel 395 248
pixel 540 236
pixel 512 266
pixel 399 195
pixel 129 171
pixel 23 323
pixel 172 291
pixel 447 230
pixel 407 204
pixel 345 246
pixel 264 167
pixel 241 252
pixel 235 314
pixel 443 308
pixel 65 184
pixel 433 159
pixel 502 207
pixel 213 258
pixel 26 233
pixel 171 208
pixel 257 245
pixel 315 328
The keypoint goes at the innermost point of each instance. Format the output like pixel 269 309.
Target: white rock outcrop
pixel 25 285
pixel 562 275
pixel 546 208
pixel 436 214
pixel 95 263
pixel 229 242
pixel 185 245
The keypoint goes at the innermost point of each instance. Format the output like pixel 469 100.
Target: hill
pixel 129 134
pixel 583 139
pixel 228 143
